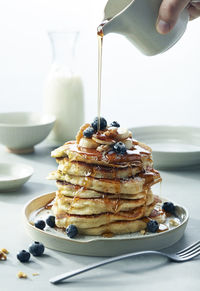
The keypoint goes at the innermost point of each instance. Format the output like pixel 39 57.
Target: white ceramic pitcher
pixel 136 19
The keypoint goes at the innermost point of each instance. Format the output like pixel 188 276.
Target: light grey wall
pixel 136 90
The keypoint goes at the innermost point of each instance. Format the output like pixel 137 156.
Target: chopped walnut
pixel 103 148
pixel 21 275
pixel 35 274
pixel 5 251
pixel 142 231
pixel 3 256
pixel 80 132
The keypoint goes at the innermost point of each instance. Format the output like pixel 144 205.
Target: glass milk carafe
pixel 63 93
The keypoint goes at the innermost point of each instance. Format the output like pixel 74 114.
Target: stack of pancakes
pixel 102 191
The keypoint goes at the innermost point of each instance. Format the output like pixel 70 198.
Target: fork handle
pixel 67 275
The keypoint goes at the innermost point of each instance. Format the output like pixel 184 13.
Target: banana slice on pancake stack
pixel 104 181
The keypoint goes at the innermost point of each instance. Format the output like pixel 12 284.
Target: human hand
pixel 169 13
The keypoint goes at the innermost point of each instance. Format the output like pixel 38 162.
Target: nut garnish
pixel 142 231
pixel 103 148
pixel 21 275
pixel 5 251
pixel 35 274
pixel 3 256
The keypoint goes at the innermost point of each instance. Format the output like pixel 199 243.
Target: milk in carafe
pixel 63 93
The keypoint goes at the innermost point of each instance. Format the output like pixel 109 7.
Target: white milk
pixel 63 97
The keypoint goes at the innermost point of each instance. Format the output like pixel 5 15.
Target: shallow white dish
pixel 13 176
pixel 98 245
pixel 20 131
pixel 173 146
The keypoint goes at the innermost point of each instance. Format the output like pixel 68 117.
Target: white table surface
pixel 142 273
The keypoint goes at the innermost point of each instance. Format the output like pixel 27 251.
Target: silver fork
pixel 182 256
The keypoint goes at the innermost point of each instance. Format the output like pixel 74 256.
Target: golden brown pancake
pixel 104 182
pixel 73 152
pixel 90 206
pixel 76 168
pixel 124 186
pixel 63 219
pixel 71 190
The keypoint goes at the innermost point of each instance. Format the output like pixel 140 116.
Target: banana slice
pixel 108 141
pixel 123 133
pixel 128 143
pixel 88 143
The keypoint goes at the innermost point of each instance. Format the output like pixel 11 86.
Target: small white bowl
pixel 20 131
pixel 13 176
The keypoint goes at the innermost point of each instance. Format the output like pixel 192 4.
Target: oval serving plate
pixel 172 146
pixel 98 245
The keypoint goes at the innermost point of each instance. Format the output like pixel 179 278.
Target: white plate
pixel 13 176
pixel 98 245
pixel 173 146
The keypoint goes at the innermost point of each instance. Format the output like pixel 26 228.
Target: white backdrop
pixel 137 90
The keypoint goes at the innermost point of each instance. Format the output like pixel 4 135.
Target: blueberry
pixel 40 224
pixel 115 124
pixel 88 132
pixel 36 249
pixel 23 256
pixel 152 226
pixel 119 148
pixel 50 221
pixel 103 123
pixel 168 207
pixel 71 230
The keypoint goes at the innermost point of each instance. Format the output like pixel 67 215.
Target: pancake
pixel 119 227
pixel 64 219
pixel 139 155
pixel 90 206
pixel 104 181
pixel 76 168
pixel 71 190
pixel 123 186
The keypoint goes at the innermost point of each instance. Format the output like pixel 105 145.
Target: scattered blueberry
pixel 168 207
pixel 71 230
pixel 88 132
pixel 36 249
pixel 119 148
pixel 103 123
pixel 23 256
pixel 115 124
pixel 152 226
pixel 50 221
pixel 40 224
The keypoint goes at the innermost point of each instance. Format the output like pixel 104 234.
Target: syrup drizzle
pixel 100 47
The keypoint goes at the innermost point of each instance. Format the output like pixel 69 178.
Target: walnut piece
pixel 35 274
pixel 21 275
pixel 5 251
pixel 3 256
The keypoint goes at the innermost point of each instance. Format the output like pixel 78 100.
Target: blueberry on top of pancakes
pixel 115 124
pixel 119 148
pixel 88 132
pixel 101 123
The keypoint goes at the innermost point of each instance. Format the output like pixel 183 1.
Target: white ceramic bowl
pixel 20 131
pixel 13 176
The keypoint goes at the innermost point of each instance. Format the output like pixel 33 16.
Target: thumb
pixel 168 14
